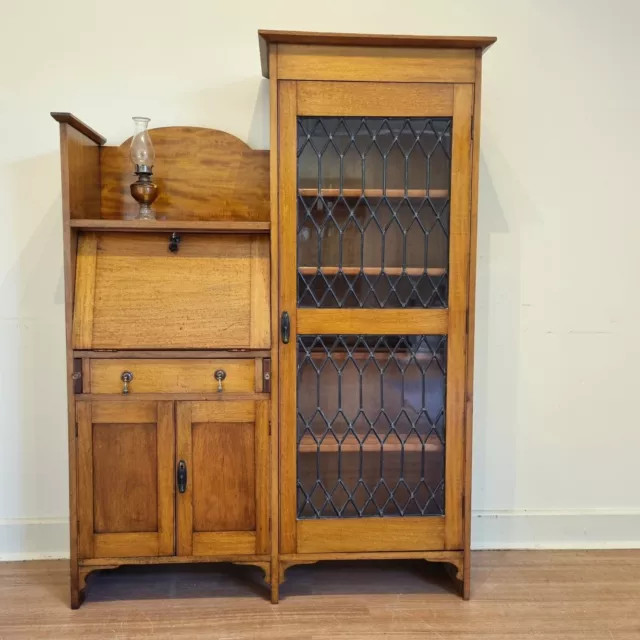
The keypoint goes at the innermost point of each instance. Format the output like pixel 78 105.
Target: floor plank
pixel 541 595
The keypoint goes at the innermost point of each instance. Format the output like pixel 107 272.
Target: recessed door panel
pixel 125 479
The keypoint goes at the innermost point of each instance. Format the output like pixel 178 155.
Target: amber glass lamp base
pixel 144 192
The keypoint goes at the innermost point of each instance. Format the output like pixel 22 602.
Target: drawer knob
pixel 126 378
pixel 220 375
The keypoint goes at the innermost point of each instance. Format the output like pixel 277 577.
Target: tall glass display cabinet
pixel 374 172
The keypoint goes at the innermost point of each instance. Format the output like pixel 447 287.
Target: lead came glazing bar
pixel 373 212
pixel 371 425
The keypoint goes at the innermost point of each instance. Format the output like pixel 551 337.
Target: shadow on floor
pixel 233 581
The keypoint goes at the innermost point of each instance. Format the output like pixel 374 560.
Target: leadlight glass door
pixel 374 205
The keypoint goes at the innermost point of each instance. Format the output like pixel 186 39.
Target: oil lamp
pixel 143 190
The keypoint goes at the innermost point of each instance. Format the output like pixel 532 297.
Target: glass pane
pixel 371 425
pixel 373 212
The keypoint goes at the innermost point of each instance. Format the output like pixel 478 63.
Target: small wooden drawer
pixel 175 376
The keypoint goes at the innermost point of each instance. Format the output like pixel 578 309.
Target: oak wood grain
pixel 84 480
pixel 370 534
pixel 374 64
pixel 123 412
pixel 223 472
pixel 150 560
pixel 173 376
pixel 269 39
pixel 374 99
pixel 274 440
pixel 200 397
pixel 366 321
pixel 194 226
pixel 262 480
pixel 64 117
pixel 202 174
pixel 287 170
pixel 260 337
pixel 85 290
pixel 149 298
pixel 184 501
pixel 126 544
pixel 457 333
pixel 231 411
pixel 224 543
pixel 175 354
pixel 471 322
pixel 218 513
pixel 125 478
pixel 166 452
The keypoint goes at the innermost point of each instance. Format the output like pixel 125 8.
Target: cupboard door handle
pixel 182 476
pixel 220 375
pixel 126 378
pixel 285 327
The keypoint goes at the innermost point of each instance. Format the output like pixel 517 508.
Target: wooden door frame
pixel 223 543
pixel 134 544
pixel 457 101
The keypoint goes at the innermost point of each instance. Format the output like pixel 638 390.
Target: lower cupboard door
pixel 222 469
pixel 125 497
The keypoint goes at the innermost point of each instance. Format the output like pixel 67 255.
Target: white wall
pixel 557 432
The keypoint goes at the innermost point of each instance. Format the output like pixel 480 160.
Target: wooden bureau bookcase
pixel 278 370
pixel 168 463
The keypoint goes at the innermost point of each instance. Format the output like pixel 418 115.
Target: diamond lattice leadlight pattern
pixel 373 212
pixel 371 425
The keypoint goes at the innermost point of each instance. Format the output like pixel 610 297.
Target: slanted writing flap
pixel 133 293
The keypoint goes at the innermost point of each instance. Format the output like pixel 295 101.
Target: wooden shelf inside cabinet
pixel 193 226
pixel 373 271
pixel 373 193
pixel 373 446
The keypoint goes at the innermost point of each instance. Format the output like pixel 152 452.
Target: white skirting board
pixel 556 529
pixel 36 539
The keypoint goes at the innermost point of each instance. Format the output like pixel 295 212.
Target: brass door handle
pixel 220 375
pixel 126 378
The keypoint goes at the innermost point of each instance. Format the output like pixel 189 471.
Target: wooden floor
pixel 544 595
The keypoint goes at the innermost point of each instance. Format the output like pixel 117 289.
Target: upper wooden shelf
pixel 194 226
pixel 205 178
pixel 373 193
pixel 267 37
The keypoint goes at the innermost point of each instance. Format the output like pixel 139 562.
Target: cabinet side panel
pixel 85 290
pixel 82 175
pixel 274 485
pixel 473 256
